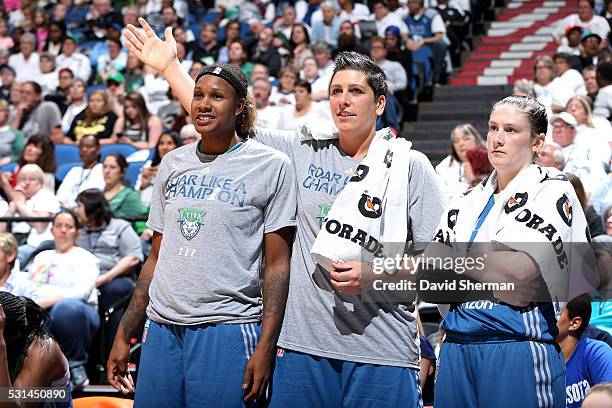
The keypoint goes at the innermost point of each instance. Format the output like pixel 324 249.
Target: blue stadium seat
pixel 63 169
pixel 66 153
pixel 123 148
pixel 133 171
pixel 8 168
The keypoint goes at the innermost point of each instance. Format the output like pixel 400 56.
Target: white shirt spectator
pixel 27 70
pixel 574 81
pixel 318 113
pixel 603 103
pixel 107 64
pixel 396 75
pixel 78 63
pixel 556 92
pixel 48 82
pixel 389 20
pixel 462 6
pixel 276 97
pixel 43 201
pixel 268 117
pixel 360 12
pixel 596 143
pixel 452 173
pixel 155 92
pixel 79 179
pixel 597 24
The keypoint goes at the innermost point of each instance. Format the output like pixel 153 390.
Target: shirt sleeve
pixel 129 243
pixel 277 139
pixel 281 209
pixel 599 362
pixel 437 24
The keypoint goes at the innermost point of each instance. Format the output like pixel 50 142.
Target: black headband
pixel 239 84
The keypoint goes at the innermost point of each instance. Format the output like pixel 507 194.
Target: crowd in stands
pixel 67 79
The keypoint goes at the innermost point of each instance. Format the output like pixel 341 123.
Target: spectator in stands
pixel 238 55
pixel 590 54
pixel 589 74
pixel 602 106
pixel 114 61
pixel 189 134
pixel 26 339
pixel 101 16
pixel 260 71
pixel 566 74
pixel 327 29
pixel 208 48
pixel 477 167
pixel 123 200
pixel 384 19
pixel 267 114
pixel 572 36
pixel 427 33
pixel 283 93
pixel 452 169
pixel 97 119
pixel 26 62
pixel 588 362
pixel 11 278
pixel 167 142
pixel 7 77
pixel 285 22
pixel 594 220
pixel 305 110
pixel 592 131
pixel 38 150
pixel 31 199
pixel 300 45
pixel 457 24
pixel 551 156
pixel 396 75
pixel 41 28
pixel 35 116
pixel 49 79
pixel 322 54
pixel 6 42
pixel 586 19
pixel 136 124
pixel 55 40
pixel 195 68
pixel 133 74
pixel 548 90
pixel 264 53
pixel 353 12
pixel 84 177
pixel 69 58
pixel 318 83
pixel 59 96
pixel 577 154
pixel 232 32
pixel 523 87
pixel 65 278
pixel 396 51
pixel 348 41
pixel 155 90
pixel 11 139
pixel 117 247
pixel 76 103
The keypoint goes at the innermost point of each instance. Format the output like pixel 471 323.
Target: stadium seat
pixel 102 402
pixel 66 153
pixel 133 171
pixel 63 169
pixel 123 148
pixel 8 168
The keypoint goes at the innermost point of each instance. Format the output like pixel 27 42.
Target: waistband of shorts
pixel 459 338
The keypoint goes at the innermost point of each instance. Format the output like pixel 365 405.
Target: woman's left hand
pixel 351 277
pixel 19 196
pixel 102 279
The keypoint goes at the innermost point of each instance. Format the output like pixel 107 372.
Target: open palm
pixel 149 48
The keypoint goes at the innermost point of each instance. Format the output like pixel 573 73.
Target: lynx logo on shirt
pixel 324 210
pixel 190 220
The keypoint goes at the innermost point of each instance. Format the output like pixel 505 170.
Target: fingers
pixel 248 374
pixel 341 276
pixel 341 266
pixel 133 46
pixel 255 389
pixel 135 34
pixel 168 35
pixel 146 27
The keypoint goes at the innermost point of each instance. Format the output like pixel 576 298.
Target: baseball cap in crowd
pixel 588 33
pixel 116 77
pixel 115 26
pixel 566 117
pixel 7 66
pixel 571 28
pixel 393 30
pixel 65 69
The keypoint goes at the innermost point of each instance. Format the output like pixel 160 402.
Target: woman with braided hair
pixel 29 356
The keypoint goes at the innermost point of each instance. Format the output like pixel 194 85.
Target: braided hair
pixel 25 322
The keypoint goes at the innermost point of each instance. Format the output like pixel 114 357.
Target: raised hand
pixel 149 48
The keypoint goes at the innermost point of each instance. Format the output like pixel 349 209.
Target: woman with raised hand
pixel 520 230
pixel 338 337
pixel 227 197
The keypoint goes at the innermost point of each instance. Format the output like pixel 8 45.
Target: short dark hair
pixel 97 208
pixel 71 214
pixel 35 85
pixel 591 3
pixel 604 70
pixel 121 161
pixel 562 55
pixel 302 83
pixel 534 110
pixel 580 306
pixel 353 61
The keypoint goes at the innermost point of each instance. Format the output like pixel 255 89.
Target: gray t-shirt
pixel 110 243
pixel 44 118
pixel 319 320
pixel 213 212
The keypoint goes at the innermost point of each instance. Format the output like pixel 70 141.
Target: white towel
pixel 372 210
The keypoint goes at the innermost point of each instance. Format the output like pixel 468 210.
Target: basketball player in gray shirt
pixel 338 345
